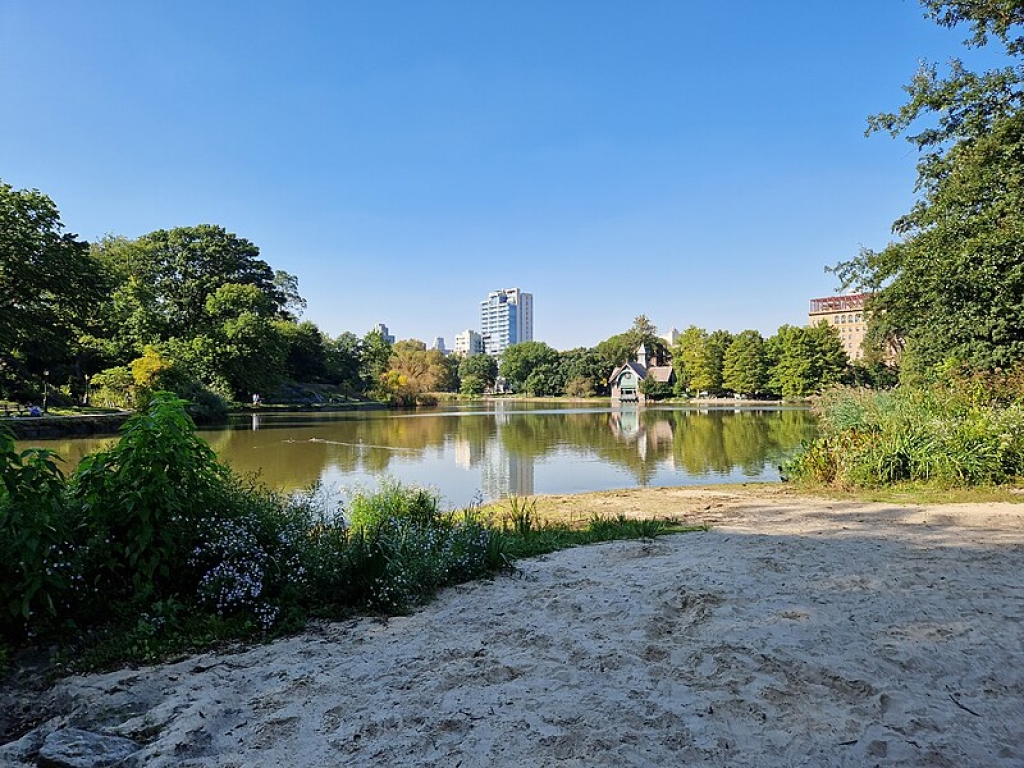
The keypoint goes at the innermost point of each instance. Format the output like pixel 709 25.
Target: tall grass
pixel 966 431
pixel 154 547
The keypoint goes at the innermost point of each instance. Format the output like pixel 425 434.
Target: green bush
pixel 146 500
pixel 36 539
pixel 393 500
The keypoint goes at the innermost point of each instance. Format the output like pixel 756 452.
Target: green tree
pixel 520 361
pixel 187 265
pixel 644 332
pixel 343 359
pixel 708 375
pixel 305 350
pixel 615 351
pixel 477 373
pixel 448 380
pixel 49 290
pixel 699 357
pixel 803 360
pixel 374 354
pixel 745 365
pixel 287 286
pixel 952 286
pixel 585 372
pixel 622 348
pixel 688 356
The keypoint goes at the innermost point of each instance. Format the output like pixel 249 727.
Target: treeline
pixel 794 363
pixel 197 311
pixel 193 310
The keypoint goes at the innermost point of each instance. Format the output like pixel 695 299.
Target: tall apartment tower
pixel 506 318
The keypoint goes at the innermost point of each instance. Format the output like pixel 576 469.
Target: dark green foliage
pixel 745 364
pixel 187 265
pixel 477 373
pixel 804 360
pixel 532 367
pixel 374 355
pixel 36 539
pixel 951 288
pixel 50 289
pixel 585 371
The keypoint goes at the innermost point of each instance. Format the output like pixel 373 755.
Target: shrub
pixel 146 498
pixel 36 550
pixel 368 511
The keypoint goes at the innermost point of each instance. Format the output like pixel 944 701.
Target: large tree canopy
pixel 183 267
pixel 952 286
pixel 49 285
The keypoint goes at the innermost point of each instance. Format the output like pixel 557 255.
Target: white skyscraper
pixel 506 318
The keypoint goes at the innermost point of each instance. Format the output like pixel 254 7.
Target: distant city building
pixel 469 343
pixel 847 314
pixel 439 345
pixel 506 318
pixel 671 337
pixel 383 331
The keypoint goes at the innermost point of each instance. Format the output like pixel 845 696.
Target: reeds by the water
pixel 962 432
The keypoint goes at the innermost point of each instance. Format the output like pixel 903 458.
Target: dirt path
pixel 794 632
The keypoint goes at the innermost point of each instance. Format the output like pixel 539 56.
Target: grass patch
pixel 525 534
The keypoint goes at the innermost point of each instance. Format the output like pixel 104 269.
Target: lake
pixel 489 450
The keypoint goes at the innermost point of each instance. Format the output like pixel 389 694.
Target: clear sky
pixel 696 162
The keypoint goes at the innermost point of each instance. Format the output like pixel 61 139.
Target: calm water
pixel 498 449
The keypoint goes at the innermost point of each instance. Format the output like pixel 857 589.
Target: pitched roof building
pixel 626 381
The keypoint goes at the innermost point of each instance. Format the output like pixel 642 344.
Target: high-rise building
pixel 506 318
pixel 383 331
pixel 468 343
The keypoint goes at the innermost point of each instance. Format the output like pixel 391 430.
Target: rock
pixel 24 750
pixel 21 752
pixel 75 748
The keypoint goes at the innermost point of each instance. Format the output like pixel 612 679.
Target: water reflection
pixel 505 448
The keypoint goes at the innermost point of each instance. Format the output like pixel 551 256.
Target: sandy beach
pixel 794 632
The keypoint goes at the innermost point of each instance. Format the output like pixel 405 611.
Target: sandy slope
pixel 795 632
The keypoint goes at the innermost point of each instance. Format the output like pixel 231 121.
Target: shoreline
pixel 797 630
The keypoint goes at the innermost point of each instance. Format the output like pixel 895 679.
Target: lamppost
pixel 46 387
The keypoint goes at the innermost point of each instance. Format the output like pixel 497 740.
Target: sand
pixel 794 632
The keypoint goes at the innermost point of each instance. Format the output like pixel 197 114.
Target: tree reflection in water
pixel 503 449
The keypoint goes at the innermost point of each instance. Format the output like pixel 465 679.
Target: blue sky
pixel 696 162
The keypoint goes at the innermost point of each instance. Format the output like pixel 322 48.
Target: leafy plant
pixel 35 546
pixel 144 497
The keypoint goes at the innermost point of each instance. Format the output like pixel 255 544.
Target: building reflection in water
pixel 503 472
pixel 516 450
